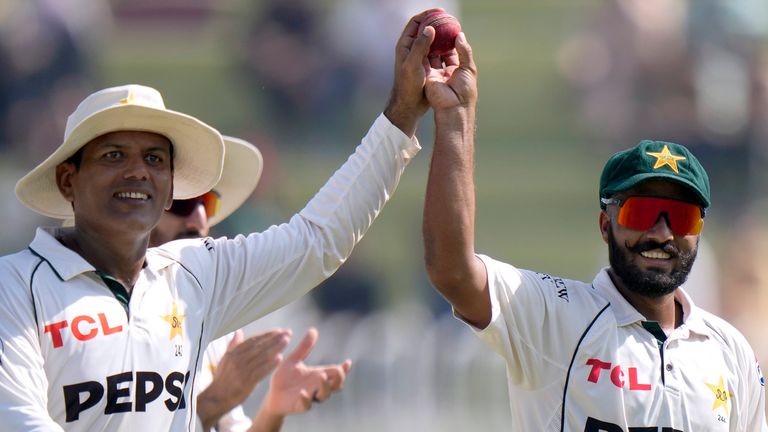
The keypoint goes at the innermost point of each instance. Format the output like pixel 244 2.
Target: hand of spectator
pixel 246 362
pixel 296 386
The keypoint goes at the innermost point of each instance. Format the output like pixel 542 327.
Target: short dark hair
pixel 76 158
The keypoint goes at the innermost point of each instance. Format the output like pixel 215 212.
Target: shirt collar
pixel 626 314
pixel 68 263
pixel 693 316
pixel 157 260
pixel 64 261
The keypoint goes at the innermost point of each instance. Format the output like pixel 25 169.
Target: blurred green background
pixel 562 85
pixel 536 174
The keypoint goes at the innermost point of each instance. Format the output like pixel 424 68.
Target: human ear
pixel 169 198
pixel 604 221
pixel 64 173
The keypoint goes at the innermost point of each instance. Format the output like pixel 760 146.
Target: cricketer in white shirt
pixel 580 358
pixel 75 356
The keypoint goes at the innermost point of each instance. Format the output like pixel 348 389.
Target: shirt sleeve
pixel 23 384
pixel 256 274
pixel 532 322
pixel 754 417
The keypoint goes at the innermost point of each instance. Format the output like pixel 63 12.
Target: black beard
pixel 648 283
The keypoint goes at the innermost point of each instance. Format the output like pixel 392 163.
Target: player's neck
pixel 122 259
pixel 664 309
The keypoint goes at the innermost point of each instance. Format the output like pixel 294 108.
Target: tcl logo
pixel 82 327
pixel 616 375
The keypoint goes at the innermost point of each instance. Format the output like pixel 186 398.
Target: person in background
pixel 233 365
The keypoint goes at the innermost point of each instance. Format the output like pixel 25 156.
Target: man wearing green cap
pixel 628 352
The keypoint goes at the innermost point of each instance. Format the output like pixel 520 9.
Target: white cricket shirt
pixel 74 357
pixel 580 358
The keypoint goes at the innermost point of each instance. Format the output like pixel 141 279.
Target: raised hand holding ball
pixel 446 27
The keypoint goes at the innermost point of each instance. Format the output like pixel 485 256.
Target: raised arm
pixel 449 210
pixel 284 262
pixel 407 102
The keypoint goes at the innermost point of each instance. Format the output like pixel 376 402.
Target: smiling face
pixel 656 261
pixel 124 181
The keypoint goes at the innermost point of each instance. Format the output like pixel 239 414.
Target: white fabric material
pixel 582 348
pixel 64 333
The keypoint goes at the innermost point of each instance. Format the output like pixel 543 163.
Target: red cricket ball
pixel 446 27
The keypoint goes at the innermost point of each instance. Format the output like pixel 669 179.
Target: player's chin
pixel 188 235
pixel 657 265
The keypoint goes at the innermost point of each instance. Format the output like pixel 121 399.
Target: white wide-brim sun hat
pixel 198 148
pixel 243 165
pixel 242 169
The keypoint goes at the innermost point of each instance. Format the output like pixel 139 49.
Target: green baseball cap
pixel 654 160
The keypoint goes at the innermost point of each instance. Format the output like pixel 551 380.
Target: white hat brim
pixel 198 154
pixel 243 165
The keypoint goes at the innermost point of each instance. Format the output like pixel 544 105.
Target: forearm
pixel 347 204
pixel 402 116
pixel 266 421
pixel 211 406
pixel 284 262
pixel 449 211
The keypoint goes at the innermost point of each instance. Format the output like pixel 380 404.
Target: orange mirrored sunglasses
pixel 209 200
pixel 641 213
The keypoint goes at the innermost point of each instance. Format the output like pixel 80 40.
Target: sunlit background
pixel 563 84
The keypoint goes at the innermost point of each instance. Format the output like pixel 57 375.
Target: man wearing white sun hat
pixel 101 333
pixel 232 365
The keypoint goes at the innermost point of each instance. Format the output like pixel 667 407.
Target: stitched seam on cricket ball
pixel 440 21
